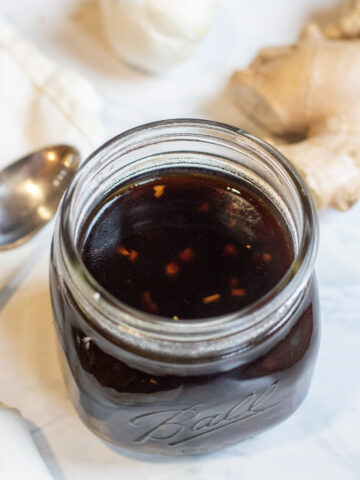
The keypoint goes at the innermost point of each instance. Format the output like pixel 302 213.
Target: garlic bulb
pixel 155 35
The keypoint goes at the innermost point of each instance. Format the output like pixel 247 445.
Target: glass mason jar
pixel 151 384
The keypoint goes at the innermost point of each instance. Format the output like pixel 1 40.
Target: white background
pixel 322 439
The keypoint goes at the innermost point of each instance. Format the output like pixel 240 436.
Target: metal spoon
pixel 31 190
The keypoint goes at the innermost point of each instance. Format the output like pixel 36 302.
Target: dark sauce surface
pixel 186 246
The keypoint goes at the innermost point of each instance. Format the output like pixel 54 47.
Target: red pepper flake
pixel 204 207
pixel 234 281
pixel 211 298
pixel 133 255
pixel 267 257
pixel 187 255
pixel 152 380
pixel 230 249
pixel 123 251
pixel 232 223
pixel 238 292
pixel 149 304
pixel 171 269
pixel 159 190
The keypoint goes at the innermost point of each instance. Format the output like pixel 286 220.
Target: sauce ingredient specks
pixel 187 246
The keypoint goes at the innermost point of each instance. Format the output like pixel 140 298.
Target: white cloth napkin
pixel 40 104
pixel 19 458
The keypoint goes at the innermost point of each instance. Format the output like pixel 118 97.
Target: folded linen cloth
pixel 19 458
pixel 40 104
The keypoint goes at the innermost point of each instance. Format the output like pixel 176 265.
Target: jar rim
pixel 160 328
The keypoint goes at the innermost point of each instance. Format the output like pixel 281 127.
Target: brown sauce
pixel 186 246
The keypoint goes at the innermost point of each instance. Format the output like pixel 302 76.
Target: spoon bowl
pixel 31 190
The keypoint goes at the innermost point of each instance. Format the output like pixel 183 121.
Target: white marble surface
pixel 322 439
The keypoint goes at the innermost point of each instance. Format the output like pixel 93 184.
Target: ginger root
pixel 348 25
pixel 311 92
